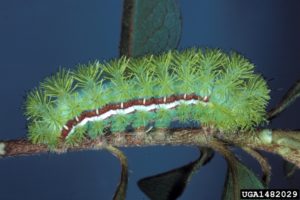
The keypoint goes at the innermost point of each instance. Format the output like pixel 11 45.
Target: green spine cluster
pixel 238 96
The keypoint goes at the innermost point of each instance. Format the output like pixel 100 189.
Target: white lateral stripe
pixel 133 109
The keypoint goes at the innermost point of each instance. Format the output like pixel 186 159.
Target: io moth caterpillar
pixel 208 86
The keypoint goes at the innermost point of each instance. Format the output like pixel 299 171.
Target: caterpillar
pixel 207 86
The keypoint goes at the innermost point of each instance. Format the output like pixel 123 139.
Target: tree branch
pixel 283 143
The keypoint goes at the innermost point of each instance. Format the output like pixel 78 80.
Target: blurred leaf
pixel 289 169
pixel 120 193
pixel 149 27
pixel 245 178
pixel 292 94
pixel 170 185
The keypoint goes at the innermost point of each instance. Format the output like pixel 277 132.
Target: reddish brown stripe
pixel 88 114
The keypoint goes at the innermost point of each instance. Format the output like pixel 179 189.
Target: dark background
pixel 38 36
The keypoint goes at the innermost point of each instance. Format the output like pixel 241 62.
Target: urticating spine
pixel 207 86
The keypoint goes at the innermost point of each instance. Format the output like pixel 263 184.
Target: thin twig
pixel 120 193
pixel 222 148
pixel 292 94
pixel 264 164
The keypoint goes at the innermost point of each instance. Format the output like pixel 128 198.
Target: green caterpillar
pixel 207 86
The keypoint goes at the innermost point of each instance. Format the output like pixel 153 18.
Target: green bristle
pixel 74 105
pixel 95 129
pixel 211 59
pixel 54 118
pixel 142 72
pixel 122 88
pixel 77 136
pixel 88 76
pixel 184 112
pixel 69 106
pixel 58 84
pixel 210 63
pixel 120 122
pixel 202 114
pixel 39 132
pixel 93 98
pixel 142 118
pixel 36 132
pixel 36 104
pixel 164 117
pixel 236 71
pixel 115 69
pixel 164 75
pixel 239 67
pixel 222 117
pixel 186 71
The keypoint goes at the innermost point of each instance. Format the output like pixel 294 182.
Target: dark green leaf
pixel 149 27
pixel 245 178
pixel 170 185
pixel 289 169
